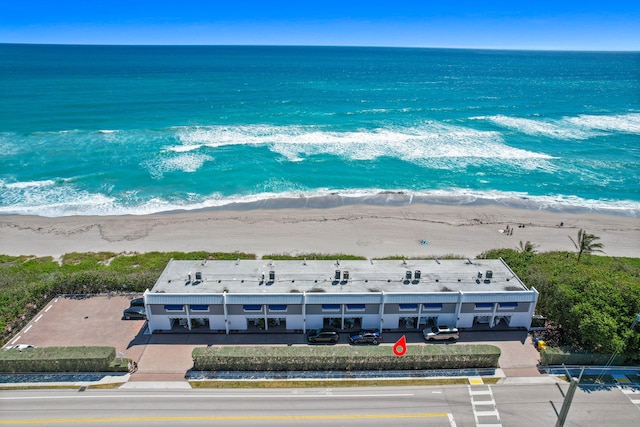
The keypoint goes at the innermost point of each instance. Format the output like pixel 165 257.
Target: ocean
pixel 115 130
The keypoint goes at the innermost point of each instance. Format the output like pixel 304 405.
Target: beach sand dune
pixel 369 231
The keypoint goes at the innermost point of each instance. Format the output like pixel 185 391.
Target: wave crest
pixel 580 127
pixel 431 140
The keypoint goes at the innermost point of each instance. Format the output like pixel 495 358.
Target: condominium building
pixel 266 295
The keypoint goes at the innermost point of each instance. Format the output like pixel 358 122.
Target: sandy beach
pixel 369 231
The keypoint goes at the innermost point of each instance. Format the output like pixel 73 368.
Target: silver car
pixel 441 333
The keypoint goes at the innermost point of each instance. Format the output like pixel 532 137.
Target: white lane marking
pixel 487 413
pixel 15 339
pixel 48 308
pixel 38 318
pixel 483 402
pixel 452 422
pixel 191 396
pixel 436 392
pixel 27 330
pixel 479 392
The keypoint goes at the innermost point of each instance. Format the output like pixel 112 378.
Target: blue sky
pixel 511 24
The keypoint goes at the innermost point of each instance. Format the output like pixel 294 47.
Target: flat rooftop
pixel 254 276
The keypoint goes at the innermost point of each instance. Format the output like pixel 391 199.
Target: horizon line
pixel 530 49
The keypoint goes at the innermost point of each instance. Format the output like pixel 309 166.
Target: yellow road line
pixel 222 418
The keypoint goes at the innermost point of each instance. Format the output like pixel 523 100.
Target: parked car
pixel 137 302
pixel 441 333
pixel 21 347
pixel 323 335
pixel 366 337
pixel 134 313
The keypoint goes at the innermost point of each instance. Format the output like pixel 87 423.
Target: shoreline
pixel 333 199
pixel 369 230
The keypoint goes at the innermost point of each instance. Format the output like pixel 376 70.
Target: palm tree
pixel 586 243
pixel 527 248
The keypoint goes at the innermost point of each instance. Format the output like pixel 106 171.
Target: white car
pixel 441 333
pixel 21 346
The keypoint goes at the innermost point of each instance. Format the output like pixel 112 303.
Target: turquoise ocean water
pixel 97 130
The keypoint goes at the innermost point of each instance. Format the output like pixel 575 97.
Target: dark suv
pixel 323 335
pixel 366 337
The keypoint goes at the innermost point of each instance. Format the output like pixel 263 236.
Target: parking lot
pixel 97 321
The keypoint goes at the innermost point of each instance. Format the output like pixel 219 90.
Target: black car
pixel 137 302
pixel 134 313
pixel 323 335
pixel 366 337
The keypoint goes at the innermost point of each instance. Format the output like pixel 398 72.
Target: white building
pixel 226 296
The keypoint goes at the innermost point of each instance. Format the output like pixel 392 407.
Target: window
pixel 432 306
pixel 198 307
pixel 276 307
pixel 355 307
pixel 508 305
pixel 407 307
pixel 330 307
pixel 249 307
pixel 171 307
pixel 484 306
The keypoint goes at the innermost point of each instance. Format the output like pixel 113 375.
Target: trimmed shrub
pixel 343 358
pixel 61 359
pixel 564 355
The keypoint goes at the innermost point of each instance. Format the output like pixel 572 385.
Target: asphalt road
pixel 515 405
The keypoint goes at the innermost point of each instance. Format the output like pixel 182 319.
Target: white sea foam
pixel 624 123
pixel 430 140
pixel 184 148
pixel 547 128
pixel 580 127
pixel 65 200
pixel 27 184
pixel 54 200
pixel 184 162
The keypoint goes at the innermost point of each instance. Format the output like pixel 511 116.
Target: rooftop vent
pixel 345 275
pixel 417 274
pixel 408 275
pixel 198 275
pixel 337 275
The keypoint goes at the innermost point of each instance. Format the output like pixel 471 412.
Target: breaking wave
pixel 431 140
pixel 580 127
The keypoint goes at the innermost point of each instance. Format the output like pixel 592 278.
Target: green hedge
pixel 343 358
pixel 564 355
pixel 61 359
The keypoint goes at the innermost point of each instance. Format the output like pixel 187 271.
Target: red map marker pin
pixel 400 347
